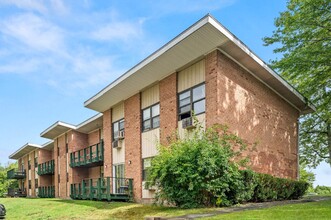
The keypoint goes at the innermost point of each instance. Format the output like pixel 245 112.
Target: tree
pixel 307 176
pixel 303 32
pixel 4 182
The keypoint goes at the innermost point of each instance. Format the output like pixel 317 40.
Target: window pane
pixel 121 125
pixel 199 92
pixel 146 114
pixel 115 130
pixel 184 95
pixel 147 162
pixel 199 107
pixel 155 110
pixel 156 122
pixel 185 109
pixel 147 125
pixel 185 101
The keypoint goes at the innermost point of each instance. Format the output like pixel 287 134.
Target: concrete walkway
pixel 248 206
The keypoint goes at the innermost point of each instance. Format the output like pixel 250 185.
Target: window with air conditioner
pixel 118 130
pixel 191 101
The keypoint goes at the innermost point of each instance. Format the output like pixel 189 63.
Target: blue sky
pixel 56 54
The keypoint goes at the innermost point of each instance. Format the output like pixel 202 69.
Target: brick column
pixel 56 168
pixel 107 138
pixel 33 187
pixel 212 90
pixel 168 108
pixel 133 161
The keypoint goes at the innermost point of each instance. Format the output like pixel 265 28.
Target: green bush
pixel 323 190
pixel 269 188
pixel 203 170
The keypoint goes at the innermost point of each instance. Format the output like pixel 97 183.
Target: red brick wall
pixel 76 141
pixel 94 172
pixel 168 108
pixel 94 137
pixel 253 111
pixel 107 138
pixel 33 188
pixel 26 180
pixel 133 165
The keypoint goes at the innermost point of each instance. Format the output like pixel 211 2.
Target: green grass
pixel 24 208
pixel 304 211
pixel 18 208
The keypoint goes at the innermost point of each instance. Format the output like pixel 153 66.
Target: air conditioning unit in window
pixel 148 186
pixel 187 123
pixel 116 144
pixel 121 135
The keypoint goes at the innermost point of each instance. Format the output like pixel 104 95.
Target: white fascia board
pixel 95 117
pixel 23 147
pixel 56 124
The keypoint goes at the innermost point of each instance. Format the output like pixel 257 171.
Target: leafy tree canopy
pixel 303 37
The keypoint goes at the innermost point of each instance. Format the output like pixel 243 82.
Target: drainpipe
pixel 298 141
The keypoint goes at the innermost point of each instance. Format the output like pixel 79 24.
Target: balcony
pixel 46 192
pixel 46 168
pixel 16 192
pixel 87 157
pixel 106 188
pixel 16 174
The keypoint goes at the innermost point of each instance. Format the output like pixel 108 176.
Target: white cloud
pixel 118 30
pixel 59 7
pixel 30 5
pixel 34 32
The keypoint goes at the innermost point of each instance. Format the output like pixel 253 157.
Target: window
pixel 67 149
pixel 58 151
pixel 151 117
pixel 191 100
pixel 29 164
pixel 118 126
pixel 146 165
pixel 29 184
pixel 36 183
pixel 119 181
pixel 67 177
pixel 36 162
pixel 58 178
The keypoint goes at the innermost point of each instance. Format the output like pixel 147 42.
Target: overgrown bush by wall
pixel 205 170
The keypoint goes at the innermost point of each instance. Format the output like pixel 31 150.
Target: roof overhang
pixel 91 124
pixel 27 148
pixel 203 37
pixel 48 146
pixel 56 130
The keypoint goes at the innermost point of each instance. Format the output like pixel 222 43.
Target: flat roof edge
pixel 56 124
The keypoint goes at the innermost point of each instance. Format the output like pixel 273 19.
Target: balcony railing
pixel 106 188
pixel 16 192
pixel 46 191
pixel 16 174
pixel 89 156
pixel 46 168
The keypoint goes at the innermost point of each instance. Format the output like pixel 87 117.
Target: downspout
pixel 298 141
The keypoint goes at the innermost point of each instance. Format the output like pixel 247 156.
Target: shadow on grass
pixel 94 203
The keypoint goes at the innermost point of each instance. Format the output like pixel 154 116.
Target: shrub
pixel 202 171
pixel 323 190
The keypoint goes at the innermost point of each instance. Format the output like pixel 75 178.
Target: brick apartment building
pixel 205 70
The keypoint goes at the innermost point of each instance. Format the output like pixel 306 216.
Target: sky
pixel 56 54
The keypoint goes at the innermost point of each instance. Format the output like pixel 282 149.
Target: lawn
pixel 18 208
pixel 24 208
pixel 304 211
